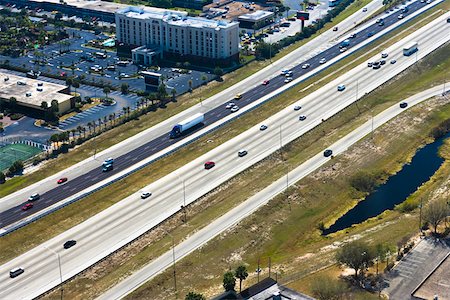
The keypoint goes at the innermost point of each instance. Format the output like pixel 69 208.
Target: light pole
pixel 173 257
pixel 356 102
pixel 184 201
pixel 420 216
pixel 60 270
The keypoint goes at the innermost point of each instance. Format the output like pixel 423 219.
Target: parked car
pixel 327 153
pixel 69 244
pixel 209 165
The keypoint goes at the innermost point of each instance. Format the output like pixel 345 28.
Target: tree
pixel 69 82
pixel 229 281
pixel 106 90
pixel 54 105
pixel 162 92
pixel 174 93
pixel 194 296
pixel 327 288
pixel 44 105
pixel 357 255
pixel 2 178
pixel 204 79
pixel 76 84
pixel 241 274
pixel 381 251
pixel 190 85
pixel 435 212
pixel 12 102
pixel 218 71
pixel 124 88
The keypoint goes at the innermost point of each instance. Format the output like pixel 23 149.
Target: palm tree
pixel 80 130
pixel 106 90
pixel 190 85
pixel 128 111
pixel 89 125
pixel 241 274
pixel 73 131
pixel 174 93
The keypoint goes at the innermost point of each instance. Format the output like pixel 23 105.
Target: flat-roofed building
pixel 174 35
pixel 31 93
pixel 256 20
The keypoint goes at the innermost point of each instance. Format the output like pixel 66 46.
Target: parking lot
pixel 94 68
pixel 415 267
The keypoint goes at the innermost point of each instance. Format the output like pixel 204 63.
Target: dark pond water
pixel 398 187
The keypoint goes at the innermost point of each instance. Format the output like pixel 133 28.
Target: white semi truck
pixel 186 124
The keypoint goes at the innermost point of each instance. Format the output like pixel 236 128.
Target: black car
pixel 327 153
pixel 69 244
pixel 403 105
pixel 382 62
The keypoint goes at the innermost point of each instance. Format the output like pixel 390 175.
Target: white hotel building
pixel 155 32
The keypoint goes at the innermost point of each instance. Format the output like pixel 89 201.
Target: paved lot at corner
pixel 415 267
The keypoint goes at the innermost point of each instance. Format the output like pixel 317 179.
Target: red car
pixel 265 82
pixel 209 165
pixel 27 206
pixel 62 180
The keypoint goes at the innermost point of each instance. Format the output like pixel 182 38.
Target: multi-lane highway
pixel 234 216
pixel 124 221
pixel 13 212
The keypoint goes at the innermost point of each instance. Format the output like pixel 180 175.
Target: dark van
pixel 16 272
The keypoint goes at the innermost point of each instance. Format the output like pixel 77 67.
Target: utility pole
pixel 184 200
pixel 420 216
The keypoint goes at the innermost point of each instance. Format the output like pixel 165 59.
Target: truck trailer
pixel 186 124
pixel 410 48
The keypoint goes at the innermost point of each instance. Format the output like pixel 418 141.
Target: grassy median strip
pixel 185 101
pixel 308 212
pixel 33 234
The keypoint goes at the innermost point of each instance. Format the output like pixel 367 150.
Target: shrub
pixel 363 181
pixel 15 116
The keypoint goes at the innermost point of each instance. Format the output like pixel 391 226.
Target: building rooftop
pixel 99 5
pixel 173 17
pixel 9 87
pixel 256 16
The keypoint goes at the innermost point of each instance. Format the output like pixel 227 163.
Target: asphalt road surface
pixel 14 213
pixel 126 220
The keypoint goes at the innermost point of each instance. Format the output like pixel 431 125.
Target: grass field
pixel 13 152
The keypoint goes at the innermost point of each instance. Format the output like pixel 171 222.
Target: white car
pixel 145 194
pixel 234 108
pixel 384 55
pixel 306 66
pixel 341 87
pixel 343 49
pixel 364 9
pixel 323 60
pixel 297 107
pixel 400 16
pixel 108 161
pixel 230 105
pixel 287 80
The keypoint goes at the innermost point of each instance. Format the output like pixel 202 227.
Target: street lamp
pixel 60 270
pixel 183 207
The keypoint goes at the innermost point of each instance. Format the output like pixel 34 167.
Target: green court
pixel 13 152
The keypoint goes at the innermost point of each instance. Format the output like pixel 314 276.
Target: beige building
pixel 173 34
pixel 32 92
